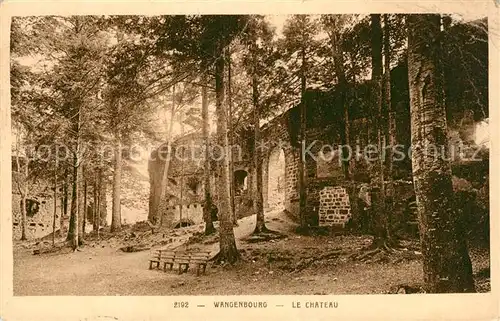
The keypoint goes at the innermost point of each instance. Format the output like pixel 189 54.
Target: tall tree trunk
pixel 446 262
pixel 78 171
pixel 162 202
pixel 230 133
pixel 61 220
pixel 65 191
pixel 181 183
pixel 207 206
pixel 390 126
pixel 95 212
pixel 302 157
pixel 77 241
pixel 23 190
pixel 258 202
pixel 103 199
pixel 73 210
pixel 55 207
pixel 116 216
pixel 228 251
pixel 101 202
pixel 23 217
pixel 348 162
pixel 81 203
pixel 377 179
pixel 64 202
pixel 24 221
pixel 84 205
pixel 338 61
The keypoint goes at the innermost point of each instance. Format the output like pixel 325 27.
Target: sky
pixel 277 21
pixel 482 133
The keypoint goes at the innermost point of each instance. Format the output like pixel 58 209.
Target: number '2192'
pixel 184 304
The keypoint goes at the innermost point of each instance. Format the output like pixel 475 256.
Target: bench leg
pixel 171 266
pixel 186 268
pixel 165 267
pixel 198 270
pixel 180 268
pixel 150 265
pixel 204 268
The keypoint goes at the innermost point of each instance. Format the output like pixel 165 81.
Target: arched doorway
pixel 276 180
pixel 240 181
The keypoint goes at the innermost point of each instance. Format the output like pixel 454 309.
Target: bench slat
pixel 182 258
pixel 168 259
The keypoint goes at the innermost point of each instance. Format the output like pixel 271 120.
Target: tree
pixel 66 77
pixel 207 204
pixel 356 44
pixel 103 202
pixel 117 174
pixel 333 24
pixel 64 199
pixel 228 249
pixel 258 56
pixel 338 28
pixel 95 213
pixel 230 130
pixel 94 91
pixel 222 29
pixel 377 178
pixel 390 125
pixel 78 232
pixel 446 262
pixel 164 182
pixel 22 182
pixel 258 202
pixel 55 206
pixel 299 32
pixel 132 80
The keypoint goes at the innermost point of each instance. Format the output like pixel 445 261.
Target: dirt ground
pixel 286 265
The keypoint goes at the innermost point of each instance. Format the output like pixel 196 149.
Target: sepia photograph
pixel 249 154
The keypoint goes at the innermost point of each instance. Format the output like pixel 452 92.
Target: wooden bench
pixel 165 257
pixel 182 258
pixel 200 259
pixel 155 259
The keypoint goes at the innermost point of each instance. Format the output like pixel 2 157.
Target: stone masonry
pixel 334 208
pixel 328 201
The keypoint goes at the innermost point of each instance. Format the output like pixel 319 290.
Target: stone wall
pixel 334 206
pixel 324 173
pixel 276 137
pixel 40 224
pixel 276 180
pixel 192 213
